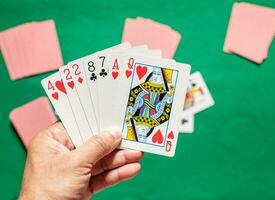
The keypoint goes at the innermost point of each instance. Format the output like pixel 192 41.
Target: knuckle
pixel 104 165
pixel 35 141
pixel 111 137
pixel 101 143
pixel 75 160
pixel 124 157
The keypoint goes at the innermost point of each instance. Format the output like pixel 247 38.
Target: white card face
pixel 198 97
pixel 157 53
pixel 111 82
pixel 139 48
pixel 118 82
pixel 92 66
pixel 151 122
pixel 186 123
pixel 81 85
pixel 90 73
pixel 56 92
pixel 84 127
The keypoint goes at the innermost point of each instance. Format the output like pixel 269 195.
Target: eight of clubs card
pixel 81 85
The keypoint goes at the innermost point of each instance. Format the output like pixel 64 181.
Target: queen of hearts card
pixel 149 104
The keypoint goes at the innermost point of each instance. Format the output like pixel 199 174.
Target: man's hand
pixel 56 170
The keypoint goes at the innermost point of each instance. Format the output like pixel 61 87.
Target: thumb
pixel 98 146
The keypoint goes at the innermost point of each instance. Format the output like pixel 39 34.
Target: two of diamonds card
pixel 131 88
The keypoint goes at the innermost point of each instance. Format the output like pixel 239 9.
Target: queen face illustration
pixel 156 76
pixel 142 133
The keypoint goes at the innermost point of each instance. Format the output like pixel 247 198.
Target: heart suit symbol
pixel 60 86
pixel 114 74
pixel 171 135
pixel 141 71
pixel 55 95
pixel 128 73
pixel 71 84
pixel 157 138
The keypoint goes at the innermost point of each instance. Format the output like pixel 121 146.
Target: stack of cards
pixel 30 49
pixel 156 35
pixel 31 118
pixel 131 88
pixel 198 98
pixel 250 31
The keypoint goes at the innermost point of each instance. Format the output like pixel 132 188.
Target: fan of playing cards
pixel 131 88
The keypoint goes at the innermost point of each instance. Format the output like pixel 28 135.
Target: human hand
pixel 56 170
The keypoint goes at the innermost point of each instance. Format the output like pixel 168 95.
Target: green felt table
pixel 231 153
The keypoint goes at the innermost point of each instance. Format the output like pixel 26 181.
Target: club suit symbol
pixel 184 121
pixel 93 77
pixel 103 73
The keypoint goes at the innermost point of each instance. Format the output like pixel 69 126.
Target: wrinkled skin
pixel 56 170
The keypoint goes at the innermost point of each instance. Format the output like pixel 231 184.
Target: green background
pixel 231 153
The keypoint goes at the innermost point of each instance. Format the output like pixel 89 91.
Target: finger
pixel 97 147
pixel 54 134
pixel 116 159
pixel 114 176
pixel 58 132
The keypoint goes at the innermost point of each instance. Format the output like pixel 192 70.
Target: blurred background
pixel 231 153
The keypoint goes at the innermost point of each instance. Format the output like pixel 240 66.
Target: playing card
pixel 81 84
pixel 30 49
pixel 133 88
pixel 198 97
pixel 81 120
pixel 155 35
pixel 8 45
pixel 82 89
pixel 128 62
pixel 156 52
pixel 114 65
pixel 250 31
pixel 56 92
pixel 186 123
pixel 31 118
pixel 156 91
pixel 93 68
pixel 119 81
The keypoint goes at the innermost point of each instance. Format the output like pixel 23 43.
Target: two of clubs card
pixel 198 98
pixel 131 88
